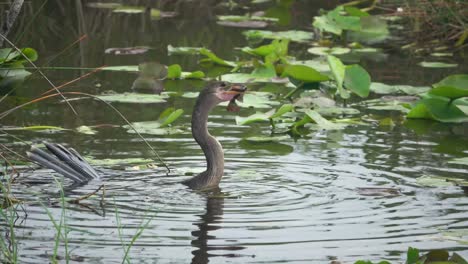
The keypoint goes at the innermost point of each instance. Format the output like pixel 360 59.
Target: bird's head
pixel 218 92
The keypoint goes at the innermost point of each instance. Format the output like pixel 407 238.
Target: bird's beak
pixel 236 88
pixel 238 91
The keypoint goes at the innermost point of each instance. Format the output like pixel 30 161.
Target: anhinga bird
pixel 71 165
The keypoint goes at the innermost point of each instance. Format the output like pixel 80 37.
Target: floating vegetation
pixel 435 64
pixel 136 98
pixel 293 35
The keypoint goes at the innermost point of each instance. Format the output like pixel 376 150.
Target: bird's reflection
pixel 210 221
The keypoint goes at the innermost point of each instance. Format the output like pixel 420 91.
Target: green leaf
pixel 172 117
pixel 454 86
pixel 412 256
pixel 435 64
pixel 257 117
pixel 193 75
pixel 130 9
pixel 323 51
pixel 282 110
pixel 30 53
pixel 438 108
pixel 247 18
pixel 338 70
pixel 293 35
pixel 354 11
pixel 174 71
pixel 128 68
pixel 264 71
pixel 357 80
pixel 382 88
pixel 433 181
pixel 183 50
pixel 266 139
pixel 322 122
pixel 243 78
pixel 215 59
pixel 304 73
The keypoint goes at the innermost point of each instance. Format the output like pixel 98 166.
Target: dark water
pixel 297 201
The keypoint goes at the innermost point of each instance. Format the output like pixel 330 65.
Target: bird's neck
pixel 211 148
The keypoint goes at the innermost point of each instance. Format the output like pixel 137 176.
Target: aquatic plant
pixel 447 101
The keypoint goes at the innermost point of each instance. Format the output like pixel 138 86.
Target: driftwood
pixel 9 18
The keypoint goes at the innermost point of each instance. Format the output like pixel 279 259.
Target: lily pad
pixel 104 5
pixel 247 18
pixel 243 78
pixel 357 80
pixel 174 71
pixel 86 130
pixel 258 100
pixel 338 70
pixel 323 51
pixel 266 139
pixel 257 117
pixel 183 50
pixel 439 108
pixel 304 73
pixel 293 35
pixel 211 57
pixel 128 68
pixel 436 181
pixel 435 64
pixel 322 122
pixel 153 128
pixel 382 88
pixel 454 86
pixel 135 98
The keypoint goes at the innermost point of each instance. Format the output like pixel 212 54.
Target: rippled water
pixel 298 201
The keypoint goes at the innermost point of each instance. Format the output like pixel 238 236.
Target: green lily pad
pixel 322 122
pixel 128 68
pixel 324 51
pixel 337 111
pixel 439 108
pixel 437 181
pixel 153 128
pixel 174 71
pixel 247 18
pixel 86 130
pixel 262 117
pixel 338 70
pixel 244 78
pixel 258 100
pixel 183 50
pixel 317 64
pixel 435 64
pixel 257 117
pixel 293 35
pixel 104 5
pixel 135 98
pixel 382 88
pixel 266 139
pixel 193 75
pixel 454 86
pixel 357 80
pixel 304 73
pixel 215 59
